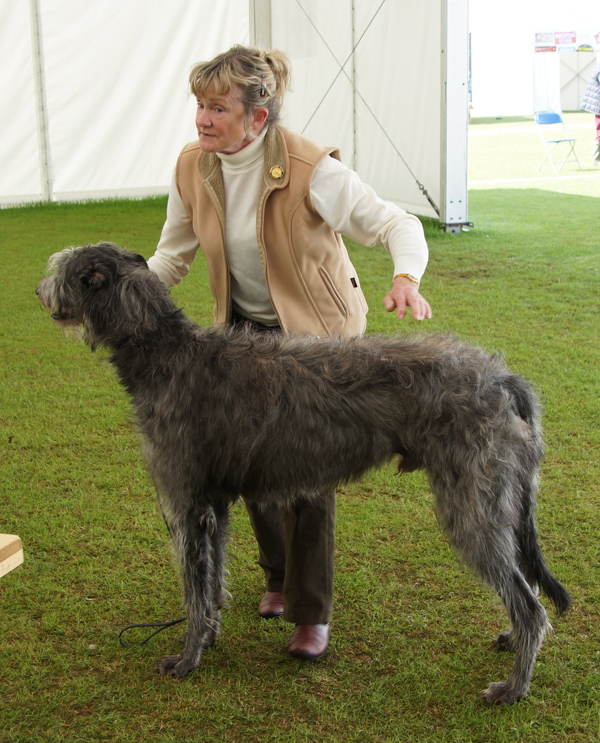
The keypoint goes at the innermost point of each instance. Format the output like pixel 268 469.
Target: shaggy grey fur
pixel 276 417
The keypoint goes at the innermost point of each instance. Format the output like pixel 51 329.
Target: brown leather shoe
pixel 271 605
pixel 309 641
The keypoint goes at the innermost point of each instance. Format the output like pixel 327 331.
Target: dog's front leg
pixel 192 534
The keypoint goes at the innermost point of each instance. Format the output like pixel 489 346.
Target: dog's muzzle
pixel 57 315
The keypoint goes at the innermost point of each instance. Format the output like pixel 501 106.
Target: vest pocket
pixel 334 292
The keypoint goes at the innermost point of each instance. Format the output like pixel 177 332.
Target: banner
pixel 567 41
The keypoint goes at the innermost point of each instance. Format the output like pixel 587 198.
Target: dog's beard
pixel 72 329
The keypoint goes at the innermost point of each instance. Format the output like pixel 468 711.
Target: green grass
pixel 506 153
pixel 412 629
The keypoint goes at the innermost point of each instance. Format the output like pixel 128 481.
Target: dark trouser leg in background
pixel 297 550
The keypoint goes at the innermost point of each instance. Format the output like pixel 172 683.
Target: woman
pixel 267 207
pixel 591 103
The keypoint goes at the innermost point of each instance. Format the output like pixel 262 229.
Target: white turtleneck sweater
pixel 341 199
pixel 242 176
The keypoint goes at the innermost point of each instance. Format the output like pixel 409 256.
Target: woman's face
pixel 221 121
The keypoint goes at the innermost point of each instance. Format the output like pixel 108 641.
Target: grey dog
pixel 276 417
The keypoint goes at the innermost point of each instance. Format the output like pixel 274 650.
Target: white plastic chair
pixel 558 135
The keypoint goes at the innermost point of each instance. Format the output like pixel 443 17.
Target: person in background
pixel 268 208
pixel 591 103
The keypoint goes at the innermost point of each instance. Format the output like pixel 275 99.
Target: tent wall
pixel 19 146
pixel 560 79
pixel 95 95
pixel 575 71
pixel 113 110
pixel 386 83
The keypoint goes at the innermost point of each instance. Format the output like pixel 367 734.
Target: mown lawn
pixel 412 629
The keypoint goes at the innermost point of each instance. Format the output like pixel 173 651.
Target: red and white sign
pixel 567 41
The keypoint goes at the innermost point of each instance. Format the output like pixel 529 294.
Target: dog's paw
pixel 501 693
pixel 175 665
pixel 209 639
pixel 504 643
pixel 210 636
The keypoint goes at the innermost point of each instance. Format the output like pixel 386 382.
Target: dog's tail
pixel 525 401
pixel 526 406
pixel 534 567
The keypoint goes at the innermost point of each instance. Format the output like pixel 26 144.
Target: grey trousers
pixel 296 551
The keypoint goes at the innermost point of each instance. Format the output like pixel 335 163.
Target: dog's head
pixel 101 287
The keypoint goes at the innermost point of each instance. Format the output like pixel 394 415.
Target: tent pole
pixel 260 23
pixel 41 105
pixel 455 115
pixel 354 101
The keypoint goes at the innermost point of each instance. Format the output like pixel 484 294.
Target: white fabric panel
pixel 117 88
pixel 117 94
pixel 575 71
pixel 396 128
pixel 118 99
pixel 19 150
pixel 546 82
pixel 399 73
pixel 316 64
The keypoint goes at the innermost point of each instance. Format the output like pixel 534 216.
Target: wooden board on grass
pixel 11 553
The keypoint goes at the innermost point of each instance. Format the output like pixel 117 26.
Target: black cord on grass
pixel 161 626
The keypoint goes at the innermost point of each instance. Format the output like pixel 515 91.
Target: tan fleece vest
pixel 312 283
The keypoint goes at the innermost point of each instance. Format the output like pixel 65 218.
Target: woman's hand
pixel 405 294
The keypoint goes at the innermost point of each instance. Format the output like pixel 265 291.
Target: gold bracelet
pixel 408 276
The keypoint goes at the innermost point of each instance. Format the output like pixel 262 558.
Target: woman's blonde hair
pixel 262 76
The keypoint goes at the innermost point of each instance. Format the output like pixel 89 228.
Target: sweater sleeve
pixel 353 209
pixel 178 244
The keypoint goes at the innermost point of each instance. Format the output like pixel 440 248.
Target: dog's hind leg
pixel 526 464
pixel 537 575
pixel 530 558
pixel 193 533
pixel 481 527
pixel 492 553
pixel 529 625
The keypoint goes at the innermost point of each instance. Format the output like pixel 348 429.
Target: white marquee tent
pixel 95 101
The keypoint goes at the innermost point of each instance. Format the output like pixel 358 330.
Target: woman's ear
pixel 259 116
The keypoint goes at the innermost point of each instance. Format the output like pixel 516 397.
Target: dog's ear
pixel 94 278
pixel 140 259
